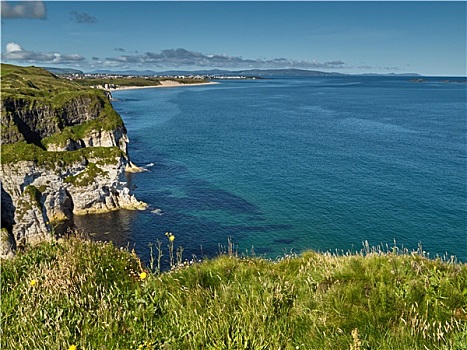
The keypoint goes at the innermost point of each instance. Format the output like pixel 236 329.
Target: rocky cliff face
pixel 37 196
pixel 62 155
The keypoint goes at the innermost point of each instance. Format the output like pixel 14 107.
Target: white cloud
pixel 14 52
pixel 12 47
pixel 24 9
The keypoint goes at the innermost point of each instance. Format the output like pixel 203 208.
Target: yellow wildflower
pixel 143 275
pixel 32 283
pixel 73 347
pixel 171 238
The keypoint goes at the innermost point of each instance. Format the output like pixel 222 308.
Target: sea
pixel 281 165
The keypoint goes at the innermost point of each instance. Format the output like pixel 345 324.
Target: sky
pixel 428 38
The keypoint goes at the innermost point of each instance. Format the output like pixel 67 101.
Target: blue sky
pixel 348 37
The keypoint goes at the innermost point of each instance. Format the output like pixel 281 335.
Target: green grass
pixel 92 295
pixel 32 81
pixel 87 177
pixel 22 151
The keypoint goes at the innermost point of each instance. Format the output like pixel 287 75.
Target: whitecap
pixel 157 211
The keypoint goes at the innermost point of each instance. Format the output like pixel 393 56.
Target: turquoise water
pixel 293 164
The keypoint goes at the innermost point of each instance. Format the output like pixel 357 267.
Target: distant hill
pixel 260 72
pixel 287 72
pixel 391 75
pixel 128 72
pixel 292 72
pixel 249 72
pixel 63 71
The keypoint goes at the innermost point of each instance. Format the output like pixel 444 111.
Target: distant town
pixel 111 81
pixel 80 76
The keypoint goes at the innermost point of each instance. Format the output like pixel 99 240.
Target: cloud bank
pixel 185 58
pixel 165 59
pixel 14 52
pixel 25 9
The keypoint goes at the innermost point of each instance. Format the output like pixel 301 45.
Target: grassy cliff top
pixel 39 84
pixel 22 151
pixel 29 80
pixel 96 296
pixel 32 81
pixel 40 108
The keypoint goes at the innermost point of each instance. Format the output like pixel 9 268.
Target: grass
pixel 86 177
pixel 22 151
pixel 95 296
pixel 32 81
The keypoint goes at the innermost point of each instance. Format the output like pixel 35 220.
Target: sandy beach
pixel 164 84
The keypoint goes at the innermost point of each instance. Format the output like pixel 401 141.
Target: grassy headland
pixel 52 109
pixel 96 296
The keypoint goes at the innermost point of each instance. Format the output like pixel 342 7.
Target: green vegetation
pixel 33 82
pixel 134 81
pixel 95 296
pixel 34 194
pixel 86 177
pixel 22 151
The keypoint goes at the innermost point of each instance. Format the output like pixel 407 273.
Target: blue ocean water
pixel 289 164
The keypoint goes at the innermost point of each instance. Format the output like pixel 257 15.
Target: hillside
pixel 95 296
pixel 64 149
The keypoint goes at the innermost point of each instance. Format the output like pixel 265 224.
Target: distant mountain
pixel 249 73
pixel 127 72
pixel 391 75
pixel 286 72
pixel 256 73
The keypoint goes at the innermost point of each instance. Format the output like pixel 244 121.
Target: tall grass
pixel 96 296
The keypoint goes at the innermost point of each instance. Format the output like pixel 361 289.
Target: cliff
pixel 64 152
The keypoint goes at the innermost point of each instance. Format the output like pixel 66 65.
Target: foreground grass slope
pixel 96 296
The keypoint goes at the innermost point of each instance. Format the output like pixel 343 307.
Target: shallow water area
pixel 296 163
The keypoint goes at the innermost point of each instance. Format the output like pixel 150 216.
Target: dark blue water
pixel 294 164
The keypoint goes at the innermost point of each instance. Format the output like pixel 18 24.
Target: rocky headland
pixel 64 153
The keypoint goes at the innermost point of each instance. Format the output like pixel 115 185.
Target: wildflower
pixel 73 347
pixel 32 283
pixel 170 236
pixel 143 275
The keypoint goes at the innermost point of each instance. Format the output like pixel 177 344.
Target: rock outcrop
pixel 64 153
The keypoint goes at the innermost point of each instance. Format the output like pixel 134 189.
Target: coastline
pixel 164 84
